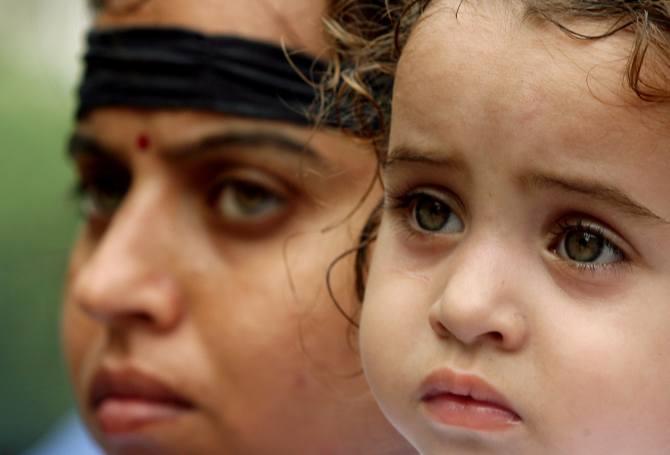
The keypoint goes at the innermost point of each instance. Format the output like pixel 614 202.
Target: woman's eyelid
pixel 273 197
pixel 250 176
pixel 100 179
pixel 92 173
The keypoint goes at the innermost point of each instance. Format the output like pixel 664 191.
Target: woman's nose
pixel 131 272
pixel 483 299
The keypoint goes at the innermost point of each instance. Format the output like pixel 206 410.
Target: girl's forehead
pixel 471 25
pixel 530 96
pixel 518 32
pixel 488 56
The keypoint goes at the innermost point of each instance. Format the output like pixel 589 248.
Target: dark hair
pixel 367 236
pixel 371 47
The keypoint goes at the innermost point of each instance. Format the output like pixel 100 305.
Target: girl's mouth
pixel 466 401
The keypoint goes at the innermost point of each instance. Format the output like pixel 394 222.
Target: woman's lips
pixel 466 401
pixel 126 401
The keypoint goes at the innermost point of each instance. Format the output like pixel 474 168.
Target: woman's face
pixel 518 300
pixel 197 318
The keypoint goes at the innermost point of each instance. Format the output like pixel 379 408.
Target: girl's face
pixel 519 297
pixel 197 319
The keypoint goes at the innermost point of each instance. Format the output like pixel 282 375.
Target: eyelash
pixel 400 205
pixel 585 224
pixel 101 189
pixel 105 181
pixel 240 184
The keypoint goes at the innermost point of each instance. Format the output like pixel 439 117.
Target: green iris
pixel 252 199
pixel 431 214
pixel 583 246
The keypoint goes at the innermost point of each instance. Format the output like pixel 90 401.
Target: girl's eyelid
pixel 442 193
pixel 397 202
pixel 598 268
pixel 593 273
pixel 589 223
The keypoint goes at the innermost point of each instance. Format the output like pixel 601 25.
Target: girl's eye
pixel 587 245
pixel 431 214
pixel 240 201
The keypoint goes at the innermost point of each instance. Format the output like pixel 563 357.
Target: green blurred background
pixel 40 42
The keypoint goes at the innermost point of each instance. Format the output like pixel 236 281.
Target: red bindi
pixel 143 142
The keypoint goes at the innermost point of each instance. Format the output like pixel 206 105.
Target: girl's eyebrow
pixel 400 155
pixel 601 192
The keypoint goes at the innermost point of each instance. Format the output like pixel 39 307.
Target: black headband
pixel 176 68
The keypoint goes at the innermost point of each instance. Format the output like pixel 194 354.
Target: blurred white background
pixel 43 36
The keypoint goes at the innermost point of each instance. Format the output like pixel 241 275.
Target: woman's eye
pixel 433 215
pixel 100 200
pixel 240 201
pixel 586 245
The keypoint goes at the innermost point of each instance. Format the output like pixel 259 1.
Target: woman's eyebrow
pixel 601 192
pixel 84 145
pixel 249 140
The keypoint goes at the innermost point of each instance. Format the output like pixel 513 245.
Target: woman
pixel 197 318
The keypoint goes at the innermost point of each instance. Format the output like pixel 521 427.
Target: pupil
pixel 583 246
pixel 106 198
pixel 108 202
pixel 431 214
pixel 250 198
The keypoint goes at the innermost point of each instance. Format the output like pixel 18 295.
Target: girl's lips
pixel 466 401
pixel 125 401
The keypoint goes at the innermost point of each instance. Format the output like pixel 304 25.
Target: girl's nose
pixel 483 298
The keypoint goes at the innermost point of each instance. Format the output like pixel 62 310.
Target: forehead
pixel 523 94
pixel 297 23
pixel 492 45
pixel 170 129
pixel 491 59
pixel 329 152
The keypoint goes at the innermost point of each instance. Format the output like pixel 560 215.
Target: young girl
pixel 518 298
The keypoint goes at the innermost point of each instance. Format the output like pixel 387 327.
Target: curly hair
pixel 369 38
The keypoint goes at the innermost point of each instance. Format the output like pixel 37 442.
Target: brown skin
pixel 178 276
